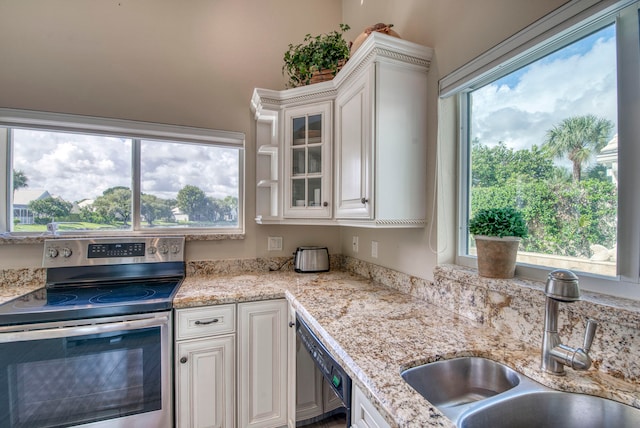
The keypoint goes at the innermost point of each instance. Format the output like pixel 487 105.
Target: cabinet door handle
pixel 364 200
pixel 198 322
pixel 325 204
pixel 183 360
pixel 291 323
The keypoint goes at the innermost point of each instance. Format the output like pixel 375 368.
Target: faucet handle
pixel 589 334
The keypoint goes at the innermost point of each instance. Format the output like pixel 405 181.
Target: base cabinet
pixel 231 365
pixel 364 414
pixel 206 382
pixel 205 367
pixel 262 364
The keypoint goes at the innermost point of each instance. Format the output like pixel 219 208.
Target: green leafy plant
pixel 498 222
pixel 324 52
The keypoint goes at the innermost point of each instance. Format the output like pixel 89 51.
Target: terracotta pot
pixel 497 256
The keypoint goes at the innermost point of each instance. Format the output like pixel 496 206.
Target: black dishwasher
pixel 335 375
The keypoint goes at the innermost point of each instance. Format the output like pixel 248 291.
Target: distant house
pixel 179 215
pixel 609 158
pixel 21 199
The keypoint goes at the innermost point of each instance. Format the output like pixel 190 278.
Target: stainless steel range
pixel 93 347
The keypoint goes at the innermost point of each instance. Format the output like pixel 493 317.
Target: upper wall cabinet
pixel 351 151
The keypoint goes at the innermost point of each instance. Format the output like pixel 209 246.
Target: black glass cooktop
pixel 75 302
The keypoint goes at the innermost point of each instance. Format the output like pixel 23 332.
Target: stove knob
pixel 175 249
pixel 66 252
pixel 163 249
pixel 152 250
pixel 52 253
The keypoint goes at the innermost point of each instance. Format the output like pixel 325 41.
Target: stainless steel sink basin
pixel 459 381
pixel 543 409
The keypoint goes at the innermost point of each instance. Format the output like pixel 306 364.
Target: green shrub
pixel 498 222
pixel 315 53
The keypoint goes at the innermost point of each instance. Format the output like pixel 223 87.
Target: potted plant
pixel 317 58
pixel 497 232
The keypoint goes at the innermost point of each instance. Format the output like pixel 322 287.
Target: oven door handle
pixel 81 330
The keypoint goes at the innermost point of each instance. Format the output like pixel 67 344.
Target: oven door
pixel 108 372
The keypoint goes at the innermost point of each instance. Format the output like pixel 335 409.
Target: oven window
pixel 62 382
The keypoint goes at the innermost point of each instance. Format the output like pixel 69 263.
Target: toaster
pixel 311 259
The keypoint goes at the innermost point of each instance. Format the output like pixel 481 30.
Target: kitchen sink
pixel 542 409
pixel 476 392
pixel 451 384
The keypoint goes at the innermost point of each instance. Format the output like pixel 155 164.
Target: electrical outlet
pixel 374 249
pixel 354 244
pixel 274 243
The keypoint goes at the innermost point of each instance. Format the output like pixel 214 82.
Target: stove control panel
pixel 111 251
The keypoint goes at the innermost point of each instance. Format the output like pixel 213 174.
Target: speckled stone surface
pixel 376 331
pixel 16 282
pixel 378 321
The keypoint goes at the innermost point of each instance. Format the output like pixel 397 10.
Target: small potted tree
pixel 317 58
pixel 497 232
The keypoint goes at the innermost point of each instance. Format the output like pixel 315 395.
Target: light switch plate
pixel 374 249
pixel 355 245
pixel 274 243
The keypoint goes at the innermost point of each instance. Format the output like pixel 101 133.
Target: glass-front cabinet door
pixel 308 161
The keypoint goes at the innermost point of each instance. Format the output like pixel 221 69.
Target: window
pixel 547 144
pixel 105 176
pixel 553 130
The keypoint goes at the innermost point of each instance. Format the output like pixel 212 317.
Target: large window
pixel 554 132
pixel 97 179
pixel 547 144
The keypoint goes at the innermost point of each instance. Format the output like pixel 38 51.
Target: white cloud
pixel 77 167
pixel 548 91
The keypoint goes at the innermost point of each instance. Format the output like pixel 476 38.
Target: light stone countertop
pixel 375 332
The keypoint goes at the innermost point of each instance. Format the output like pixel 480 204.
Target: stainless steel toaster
pixel 311 259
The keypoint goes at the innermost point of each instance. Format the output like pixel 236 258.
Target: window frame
pixel 626 15
pixel 135 131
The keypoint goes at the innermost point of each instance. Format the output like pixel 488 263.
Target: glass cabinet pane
pixel 298 161
pixel 315 160
pixel 315 192
pixel 299 130
pixel 298 197
pixel 315 129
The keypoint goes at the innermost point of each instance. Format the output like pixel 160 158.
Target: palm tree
pixel 578 138
pixel 19 180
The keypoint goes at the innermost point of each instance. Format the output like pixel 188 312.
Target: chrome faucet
pixel 562 286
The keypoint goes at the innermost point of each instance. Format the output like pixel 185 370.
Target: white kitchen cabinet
pixel 291 368
pixel 354 131
pixel 205 367
pixel 375 109
pixel 307 161
pixel 363 413
pixel 267 167
pixel 381 145
pixel 262 363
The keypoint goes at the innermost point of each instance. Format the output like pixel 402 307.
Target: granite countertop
pixel 375 332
